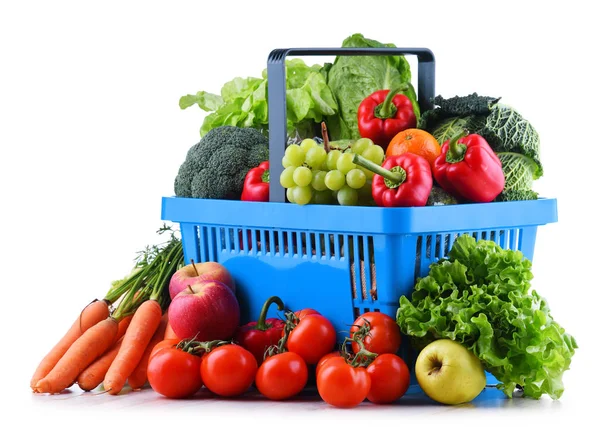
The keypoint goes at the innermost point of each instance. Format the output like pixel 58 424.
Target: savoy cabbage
pixel 511 136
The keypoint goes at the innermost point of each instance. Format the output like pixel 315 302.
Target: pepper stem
pixel 261 324
pixel 387 109
pixel 393 178
pixel 456 152
pixel 266 176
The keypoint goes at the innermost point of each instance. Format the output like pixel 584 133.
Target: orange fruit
pixel 416 141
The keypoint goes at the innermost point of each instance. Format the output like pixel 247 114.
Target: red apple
pixel 205 311
pixel 196 273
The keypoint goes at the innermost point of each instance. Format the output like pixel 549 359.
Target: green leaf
pixel 519 171
pixel 452 125
pixel 507 130
pixel 206 101
pixel 239 88
pixel 299 103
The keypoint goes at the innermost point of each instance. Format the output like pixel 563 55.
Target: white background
pixel 91 138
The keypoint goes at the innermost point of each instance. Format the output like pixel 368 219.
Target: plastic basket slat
pixel 360 219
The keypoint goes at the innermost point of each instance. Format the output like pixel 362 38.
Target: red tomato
pixel 282 376
pixel 384 334
pixel 301 314
pixel 313 337
pixel 174 373
pixel 325 359
pixel 389 378
pixel 342 385
pixel 228 370
pixel 168 343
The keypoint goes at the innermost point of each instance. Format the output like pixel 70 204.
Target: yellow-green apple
pixel 205 311
pixel 192 273
pixel 449 373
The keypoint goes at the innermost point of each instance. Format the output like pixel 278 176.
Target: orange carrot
pixel 138 377
pixel 92 376
pixel 141 329
pixel 123 325
pixel 87 348
pixel 91 315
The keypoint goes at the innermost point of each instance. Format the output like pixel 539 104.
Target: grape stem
pixel 325 136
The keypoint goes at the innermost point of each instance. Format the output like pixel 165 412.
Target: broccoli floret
pixel 515 195
pixel 183 180
pixel 257 154
pixel 215 167
pixel 439 197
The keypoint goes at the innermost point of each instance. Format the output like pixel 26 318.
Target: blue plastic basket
pixel 342 261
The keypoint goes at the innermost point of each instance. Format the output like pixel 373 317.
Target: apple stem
pixel 194 265
pixel 190 288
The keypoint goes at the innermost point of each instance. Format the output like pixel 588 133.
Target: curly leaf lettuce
pixel 243 101
pixel 481 296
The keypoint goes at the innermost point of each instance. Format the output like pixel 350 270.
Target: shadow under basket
pixel 341 260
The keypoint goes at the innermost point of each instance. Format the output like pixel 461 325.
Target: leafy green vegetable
pixel 516 195
pixel 481 296
pixel 507 132
pixel 519 171
pixel 457 106
pixel 206 101
pixel 353 78
pixel 243 101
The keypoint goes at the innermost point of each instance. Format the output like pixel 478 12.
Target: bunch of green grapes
pixel 312 175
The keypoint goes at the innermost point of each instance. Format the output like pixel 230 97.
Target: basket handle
pixel 277 95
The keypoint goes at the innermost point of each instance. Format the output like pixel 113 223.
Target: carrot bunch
pixel 92 314
pixel 111 348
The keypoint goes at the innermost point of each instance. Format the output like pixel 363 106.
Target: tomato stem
pixel 291 320
pixel 363 357
pixel 198 348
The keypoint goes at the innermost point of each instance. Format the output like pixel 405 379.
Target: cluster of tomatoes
pixel 366 366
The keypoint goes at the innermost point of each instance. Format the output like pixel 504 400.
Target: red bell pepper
pixel 256 184
pixel 469 169
pixel 257 337
pixel 384 113
pixel 403 180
